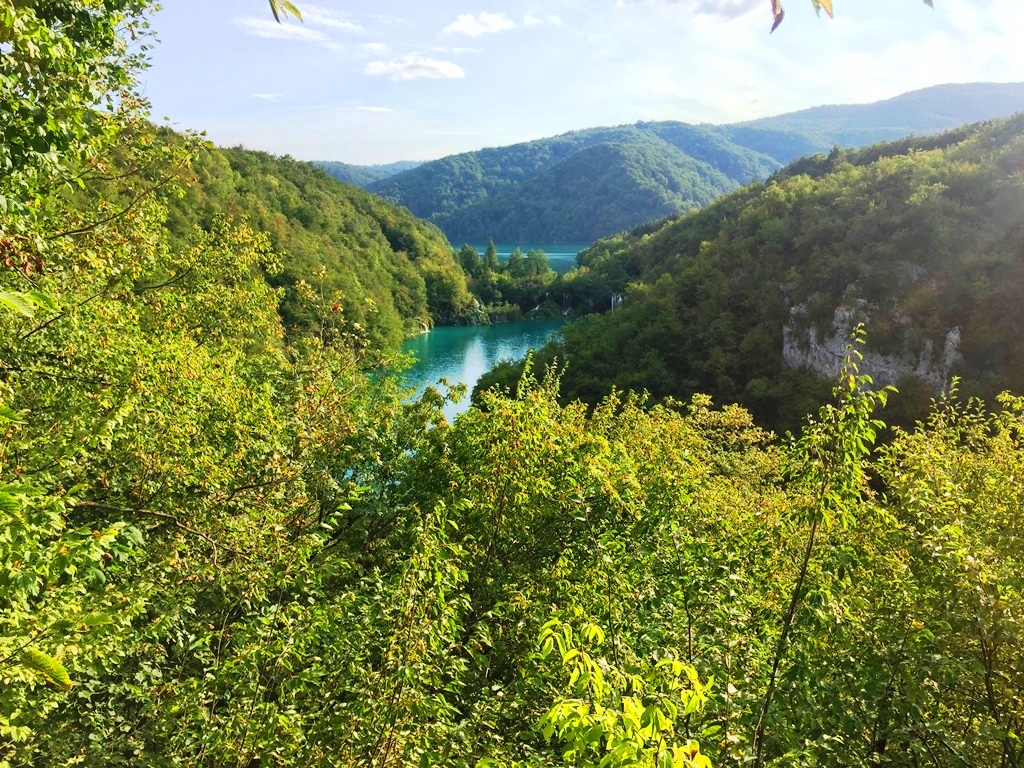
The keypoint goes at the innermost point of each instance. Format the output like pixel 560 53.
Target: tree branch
pixel 135 201
pixel 178 277
pixel 160 516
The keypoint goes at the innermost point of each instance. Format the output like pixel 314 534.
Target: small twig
pixel 178 277
pixel 254 486
pixel 161 516
pixel 59 315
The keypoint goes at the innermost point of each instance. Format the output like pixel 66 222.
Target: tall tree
pixel 491 263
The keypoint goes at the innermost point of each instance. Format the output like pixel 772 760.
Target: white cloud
pixel 412 66
pixel 533 20
pixel 268 96
pixel 390 21
pixel 483 23
pixel 374 110
pixel 455 51
pixel 375 49
pixel 271 29
pixel 317 16
pixel 728 9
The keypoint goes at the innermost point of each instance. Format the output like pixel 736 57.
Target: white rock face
pixel 824 356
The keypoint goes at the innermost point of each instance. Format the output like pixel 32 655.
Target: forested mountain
pixel 752 298
pixel 604 187
pixel 388 271
pixel 615 177
pixel 364 175
pixel 564 189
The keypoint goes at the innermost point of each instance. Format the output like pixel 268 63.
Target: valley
pixel 754 501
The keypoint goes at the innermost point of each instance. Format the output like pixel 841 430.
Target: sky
pixel 377 81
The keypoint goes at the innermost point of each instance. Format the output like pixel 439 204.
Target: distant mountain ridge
pixel 928 110
pixel 364 175
pixel 592 183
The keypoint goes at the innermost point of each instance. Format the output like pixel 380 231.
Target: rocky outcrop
pixel 803 347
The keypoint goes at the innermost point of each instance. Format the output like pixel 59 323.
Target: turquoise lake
pixel 465 353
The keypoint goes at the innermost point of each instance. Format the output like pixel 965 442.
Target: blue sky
pixel 374 81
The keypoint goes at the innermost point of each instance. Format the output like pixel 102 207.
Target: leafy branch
pixel 161 516
pixel 829 459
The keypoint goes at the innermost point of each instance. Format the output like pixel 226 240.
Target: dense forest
pixel 594 183
pixel 616 177
pixel 389 273
pixel 227 541
pixel 752 298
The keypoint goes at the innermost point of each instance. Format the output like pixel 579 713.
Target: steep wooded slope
pixel 752 298
pixel 388 271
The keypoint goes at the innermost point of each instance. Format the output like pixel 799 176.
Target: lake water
pixel 463 354
pixel 562 257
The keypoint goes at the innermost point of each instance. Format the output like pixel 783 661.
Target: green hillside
pixel 616 177
pixel 516 193
pixel 750 298
pixel 604 187
pixel 389 272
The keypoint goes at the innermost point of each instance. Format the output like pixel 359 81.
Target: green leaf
pixel 9 414
pixel 9 504
pixel 284 8
pixel 17 302
pixel 47 667
pixel 26 302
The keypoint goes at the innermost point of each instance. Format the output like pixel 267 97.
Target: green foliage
pixel 222 543
pixel 78 56
pixel 610 722
pixel 522 287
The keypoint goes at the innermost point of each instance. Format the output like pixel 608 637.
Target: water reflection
pixel 464 354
